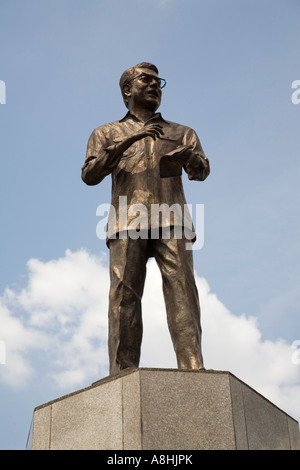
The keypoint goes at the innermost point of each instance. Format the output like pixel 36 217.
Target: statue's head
pixel 142 81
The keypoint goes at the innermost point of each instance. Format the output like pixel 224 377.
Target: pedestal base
pixel 161 409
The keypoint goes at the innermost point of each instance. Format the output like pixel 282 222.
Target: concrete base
pixel 162 409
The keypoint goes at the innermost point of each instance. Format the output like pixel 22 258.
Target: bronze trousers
pixel 128 259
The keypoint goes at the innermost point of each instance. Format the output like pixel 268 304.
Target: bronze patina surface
pixel 145 154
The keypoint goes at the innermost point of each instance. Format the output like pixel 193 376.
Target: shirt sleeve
pixel 197 167
pixel 99 161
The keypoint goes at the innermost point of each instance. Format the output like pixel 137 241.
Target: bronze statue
pixel 145 154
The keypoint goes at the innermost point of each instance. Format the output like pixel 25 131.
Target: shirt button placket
pixel 149 170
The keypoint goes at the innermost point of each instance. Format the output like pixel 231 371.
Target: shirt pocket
pixel 131 151
pixel 132 160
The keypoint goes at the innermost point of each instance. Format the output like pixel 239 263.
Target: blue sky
pixel 229 68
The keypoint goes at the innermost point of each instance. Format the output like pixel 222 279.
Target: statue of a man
pixel 145 155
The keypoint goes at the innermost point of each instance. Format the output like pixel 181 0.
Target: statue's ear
pixel 126 90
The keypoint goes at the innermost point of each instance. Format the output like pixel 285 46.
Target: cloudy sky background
pixel 229 68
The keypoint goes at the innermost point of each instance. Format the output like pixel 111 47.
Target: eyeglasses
pixel 147 78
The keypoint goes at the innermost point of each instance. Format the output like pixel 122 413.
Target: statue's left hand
pixel 183 154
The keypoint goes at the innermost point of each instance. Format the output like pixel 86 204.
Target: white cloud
pixel 61 316
pixel 17 338
pixel 63 308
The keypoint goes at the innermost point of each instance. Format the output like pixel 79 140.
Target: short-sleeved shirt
pixel 138 187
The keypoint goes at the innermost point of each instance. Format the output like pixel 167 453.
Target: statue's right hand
pixel 150 130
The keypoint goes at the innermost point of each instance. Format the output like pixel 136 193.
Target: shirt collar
pixel 156 117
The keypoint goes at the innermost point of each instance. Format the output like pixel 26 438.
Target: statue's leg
pixel 181 298
pixel 128 260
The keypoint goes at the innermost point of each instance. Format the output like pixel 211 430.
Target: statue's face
pixel 145 90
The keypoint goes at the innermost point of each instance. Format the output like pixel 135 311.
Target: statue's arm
pixel 103 155
pixel 98 162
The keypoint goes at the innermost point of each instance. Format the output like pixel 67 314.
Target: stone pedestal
pixel 162 409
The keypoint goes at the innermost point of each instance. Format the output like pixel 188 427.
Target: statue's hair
pixel 129 73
